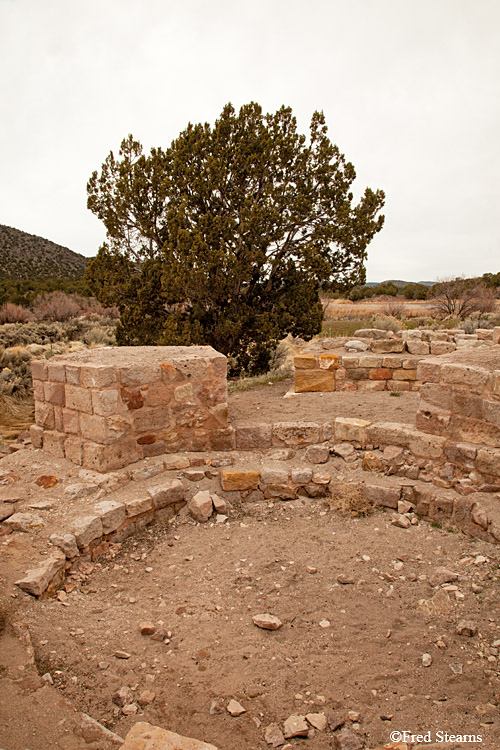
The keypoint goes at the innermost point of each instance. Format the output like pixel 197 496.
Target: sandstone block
pixel 139 505
pixel 372 333
pixel 314 381
pixel 24 522
pixel 105 402
pixel 404 374
pixel 351 430
pixel 427 446
pixel 175 461
pixel 267 621
pixel 350 362
pixel 318 454
pixel 167 493
pixel 66 543
pixel 376 494
pixel 105 430
pixel 429 370
pixel 488 461
pixel 296 433
pixel 78 399
pixel 200 506
pixel 87 529
pixel 491 411
pixel 92 731
pixel 374 385
pixel 469 430
pixel 357 373
pixel 418 347
pixel 144 736
pixel 393 362
pixel 273 476
pixel 399 386
pixel 112 515
pixel 496 335
pixel 36 436
pixel 379 346
pixel 38 390
pixel 39 369
pixel 239 480
pixel 44 415
pixel 461 454
pixel 327 361
pixel 98 376
pixel 460 374
pixel 371 361
pixel 432 421
pixel 54 393
pixel 56 371
pixel 73 450
pixel 389 433
pixel 257 436
pixel 301 476
pixel 437 395
pixel 442 347
pixel 104 458
pixel 70 422
pixel 381 373
pixel 53 443
pixel 356 345
pixel 305 362
pixel 37 580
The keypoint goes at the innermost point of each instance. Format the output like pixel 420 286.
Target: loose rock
pixel 466 627
pixel 267 621
pixel 234 708
pixel 274 736
pixel 295 726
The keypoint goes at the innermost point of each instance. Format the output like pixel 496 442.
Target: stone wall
pixel 316 371
pixel 371 363
pixel 106 408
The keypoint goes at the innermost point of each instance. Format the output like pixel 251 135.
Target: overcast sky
pixel 410 91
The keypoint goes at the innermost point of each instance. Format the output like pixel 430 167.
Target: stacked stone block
pixel 106 408
pixel 364 372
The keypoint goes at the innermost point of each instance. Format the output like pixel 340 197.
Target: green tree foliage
pixel 226 236
pixel 416 291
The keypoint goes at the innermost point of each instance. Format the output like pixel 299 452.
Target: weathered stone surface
pixel 389 433
pixel 234 708
pixel 372 333
pixel 112 515
pixel 295 726
pixel 273 476
pixel 6 510
pixel 442 347
pixel 267 621
pixel 466 627
pixel 388 497
pixel 200 506
pixel 318 454
pixel 87 529
pixel 401 520
pixel 36 436
pixel 296 433
pixel 488 461
pixel 318 721
pixel 427 446
pixel 250 437
pixel 371 462
pixel 306 361
pixel 306 381
pixel 175 461
pixel 37 580
pixel 355 345
pixel 460 374
pixel 24 522
pixel 219 503
pixel 442 575
pixel 345 451
pixel 80 489
pixel 167 493
pixel 92 731
pixel 239 480
pixel 301 475
pixel 327 361
pixel 418 347
pixel 139 505
pixel 379 346
pixel 66 543
pixel 428 370
pixel 274 736
pixel 349 429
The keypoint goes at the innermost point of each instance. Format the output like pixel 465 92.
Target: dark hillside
pixel 26 256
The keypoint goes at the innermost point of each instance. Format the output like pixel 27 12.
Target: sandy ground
pixel 355 596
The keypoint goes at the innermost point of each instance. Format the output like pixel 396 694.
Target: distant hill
pixel 26 256
pixel 400 284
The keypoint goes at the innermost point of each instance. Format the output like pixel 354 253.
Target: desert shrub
pixel 386 288
pixel 15 372
pixel 56 306
pixel 461 298
pixel 416 291
pixel 394 308
pixel 17 334
pixel 11 313
pixel 100 336
pixel 387 323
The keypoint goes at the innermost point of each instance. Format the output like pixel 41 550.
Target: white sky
pixel 410 91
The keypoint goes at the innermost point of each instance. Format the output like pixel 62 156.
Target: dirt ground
pixel 266 404
pixel 354 595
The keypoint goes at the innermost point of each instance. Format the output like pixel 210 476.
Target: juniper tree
pixel 227 236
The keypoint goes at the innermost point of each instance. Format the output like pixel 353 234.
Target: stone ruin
pixel 106 408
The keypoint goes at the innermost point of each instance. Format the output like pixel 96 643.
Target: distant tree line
pixel 412 291
pixel 24 291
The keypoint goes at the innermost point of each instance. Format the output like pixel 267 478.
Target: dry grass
pixel 15 415
pixel 348 499
pixel 341 309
